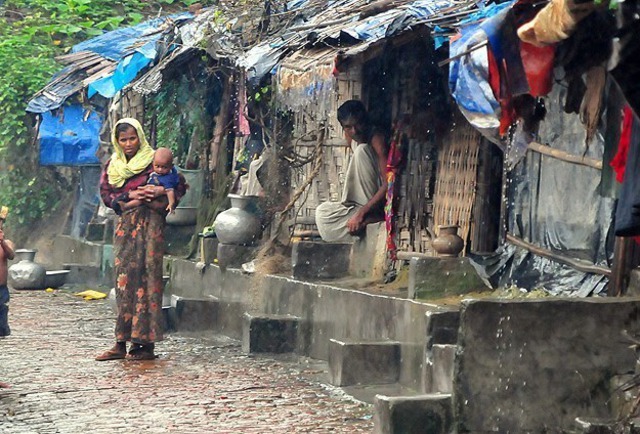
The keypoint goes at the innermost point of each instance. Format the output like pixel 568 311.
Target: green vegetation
pixel 32 32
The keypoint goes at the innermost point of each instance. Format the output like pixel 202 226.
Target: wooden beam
pixel 564 156
pixel 578 264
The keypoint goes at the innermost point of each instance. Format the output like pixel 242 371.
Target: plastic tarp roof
pixel 133 48
pixel 70 138
pixel 262 58
pixel 117 44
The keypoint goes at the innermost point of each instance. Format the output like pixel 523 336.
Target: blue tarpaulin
pixel 68 139
pixel 117 45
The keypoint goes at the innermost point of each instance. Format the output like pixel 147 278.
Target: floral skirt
pixel 139 249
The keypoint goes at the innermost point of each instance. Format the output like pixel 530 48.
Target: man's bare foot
pixel 4 385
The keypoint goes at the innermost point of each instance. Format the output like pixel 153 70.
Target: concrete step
pixel 440 350
pixel 194 314
pixel 363 362
pixel 320 260
pixel 413 414
pixel 233 256
pixel 268 333
pixel 440 363
pixel 85 274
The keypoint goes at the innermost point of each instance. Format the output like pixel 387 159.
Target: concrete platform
pixel 363 362
pixel 270 333
pixel 420 414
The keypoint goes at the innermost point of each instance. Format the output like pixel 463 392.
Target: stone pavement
pixel 196 385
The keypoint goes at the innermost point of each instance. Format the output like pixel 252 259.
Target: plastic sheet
pixel 556 205
pixel 117 44
pixel 125 72
pixel 469 83
pixel 68 139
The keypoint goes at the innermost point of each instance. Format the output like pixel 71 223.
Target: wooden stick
pixel 578 264
pixel 564 156
pixel 464 53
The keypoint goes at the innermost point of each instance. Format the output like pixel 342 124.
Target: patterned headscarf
pixel 119 168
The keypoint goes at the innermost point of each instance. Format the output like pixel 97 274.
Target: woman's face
pixel 129 142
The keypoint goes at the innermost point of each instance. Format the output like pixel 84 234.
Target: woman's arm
pixel 114 197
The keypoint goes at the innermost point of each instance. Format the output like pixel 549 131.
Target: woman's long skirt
pixel 138 250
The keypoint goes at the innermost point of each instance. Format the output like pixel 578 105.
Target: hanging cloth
pixel 394 162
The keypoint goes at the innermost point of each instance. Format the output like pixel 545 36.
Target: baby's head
pixel 162 161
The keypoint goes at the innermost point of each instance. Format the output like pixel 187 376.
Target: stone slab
pixel 233 256
pixel 442 358
pixel 90 275
pixel 327 311
pixel 368 255
pixel 362 362
pixel 193 314
pixel 68 250
pixel 536 365
pixel 432 278
pixel 320 260
pixel 269 333
pixel 420 414
pixel 95 232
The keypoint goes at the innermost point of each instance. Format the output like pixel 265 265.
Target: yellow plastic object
pixel 90 294
pixel 49 290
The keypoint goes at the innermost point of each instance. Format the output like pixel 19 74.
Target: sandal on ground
pixel 112 354
pixel 141 352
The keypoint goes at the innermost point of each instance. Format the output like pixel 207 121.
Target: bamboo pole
pixel 564 156
pixel 221 124
pixel 578 264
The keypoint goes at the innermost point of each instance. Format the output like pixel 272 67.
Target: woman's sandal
pixel 140 352
pixel 112 354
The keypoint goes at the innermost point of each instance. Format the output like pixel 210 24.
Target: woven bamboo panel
pixel 455 188
pixel 415 197
pixel 328 185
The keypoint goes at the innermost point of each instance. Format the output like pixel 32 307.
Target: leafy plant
pixel 32 33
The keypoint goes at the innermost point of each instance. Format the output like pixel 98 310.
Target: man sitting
pixel 365 186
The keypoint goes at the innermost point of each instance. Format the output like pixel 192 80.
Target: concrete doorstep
pixel 270 333
pixel 362 362
pixel 420 414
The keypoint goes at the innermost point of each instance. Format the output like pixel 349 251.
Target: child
pixel 6 253
pixel 164 174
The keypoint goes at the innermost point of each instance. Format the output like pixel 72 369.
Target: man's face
pixel 354 130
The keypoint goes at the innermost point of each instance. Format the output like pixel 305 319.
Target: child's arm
pixel 171 195
pixel 124 206
pixel 7 246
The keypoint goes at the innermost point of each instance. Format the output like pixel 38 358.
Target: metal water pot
pixel 239 224
pixel 26 274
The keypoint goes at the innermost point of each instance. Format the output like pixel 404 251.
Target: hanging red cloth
pixel 619 162
pixel 394 162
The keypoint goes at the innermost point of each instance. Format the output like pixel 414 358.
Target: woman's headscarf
pixel 119 168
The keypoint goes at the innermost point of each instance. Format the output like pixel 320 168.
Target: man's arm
pixel 7 246
pixel 358 221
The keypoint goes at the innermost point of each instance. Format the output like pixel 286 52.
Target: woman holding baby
pixel 142 207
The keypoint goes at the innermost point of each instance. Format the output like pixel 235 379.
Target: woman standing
pixel 138 241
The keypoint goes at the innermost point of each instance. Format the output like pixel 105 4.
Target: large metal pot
pixel 239 224
pixel 27 274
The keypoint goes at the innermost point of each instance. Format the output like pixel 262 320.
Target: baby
pixel 164 174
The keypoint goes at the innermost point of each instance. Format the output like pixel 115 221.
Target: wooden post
pixel 626 256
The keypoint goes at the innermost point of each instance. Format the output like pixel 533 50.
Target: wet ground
pixel 196 385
